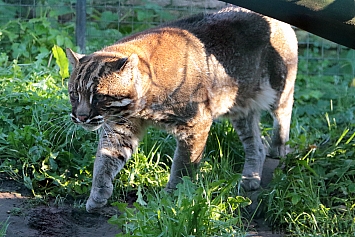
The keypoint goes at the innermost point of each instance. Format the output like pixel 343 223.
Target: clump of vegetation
pixel 194 209
pixel 318 184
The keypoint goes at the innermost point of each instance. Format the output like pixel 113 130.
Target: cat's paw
pixel 169 190
pixel 251 183
pixel 98 197
pixel 93 204
pixel 278 151
pixel 171 186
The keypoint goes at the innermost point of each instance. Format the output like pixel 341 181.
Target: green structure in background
pixel 331 19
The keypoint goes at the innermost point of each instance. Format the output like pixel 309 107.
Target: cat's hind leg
pixel 249 133
pixel 281 113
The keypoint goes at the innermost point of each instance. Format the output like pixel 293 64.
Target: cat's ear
pixel 125 63
pixel 128 63
pixel 73 57
pixel 127 70
pixel 117 65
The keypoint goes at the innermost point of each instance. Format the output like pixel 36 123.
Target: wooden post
pixel 80 27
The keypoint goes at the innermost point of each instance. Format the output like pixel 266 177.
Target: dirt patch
pixel 64 221
pixel 28 220
pixel 43 221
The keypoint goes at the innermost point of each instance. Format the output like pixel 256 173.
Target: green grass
pixel 194 209
pixel 3 228
pixel 313 195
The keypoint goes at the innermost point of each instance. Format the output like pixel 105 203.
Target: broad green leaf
pixel 295 199
pixel 140 197
pixel 61 60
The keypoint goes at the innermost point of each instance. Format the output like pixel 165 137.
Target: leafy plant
pixel 192 210
pixel 31 41
pixel 115 25
pixel 145 170
pixel 319 186
pixel 62 61
pixel 146 15
pixel 33 131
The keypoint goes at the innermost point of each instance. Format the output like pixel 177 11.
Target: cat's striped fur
pixel 179 77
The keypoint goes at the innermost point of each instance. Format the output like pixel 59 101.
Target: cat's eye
pixel 99 97
pixel 74 95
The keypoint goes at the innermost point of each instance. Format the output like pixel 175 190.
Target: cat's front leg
pixel 191 141
pixel 116 145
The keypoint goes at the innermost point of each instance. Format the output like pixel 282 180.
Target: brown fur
pixel 179 77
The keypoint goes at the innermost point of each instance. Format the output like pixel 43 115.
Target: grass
pixel 3 228
pixel 313 195
pixel 194 209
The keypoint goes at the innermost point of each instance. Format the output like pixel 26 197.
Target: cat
pixel 180 77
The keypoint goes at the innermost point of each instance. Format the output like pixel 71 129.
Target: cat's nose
pixel 82 117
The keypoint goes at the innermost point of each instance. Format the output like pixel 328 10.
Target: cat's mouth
pixel 89 124
pixel 90 127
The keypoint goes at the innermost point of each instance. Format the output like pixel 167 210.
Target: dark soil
pixel 27 219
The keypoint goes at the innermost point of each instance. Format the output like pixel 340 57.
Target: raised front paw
pixel 250 183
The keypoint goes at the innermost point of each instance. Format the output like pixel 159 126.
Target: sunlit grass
pixel 194 209
pixel 314 194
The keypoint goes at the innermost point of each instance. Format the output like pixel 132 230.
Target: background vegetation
pixel 312 195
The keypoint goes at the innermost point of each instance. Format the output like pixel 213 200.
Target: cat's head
pixel 102 86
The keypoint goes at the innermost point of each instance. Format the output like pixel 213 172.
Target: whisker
pixel 53 128
pixel 58 130
pixel 71 134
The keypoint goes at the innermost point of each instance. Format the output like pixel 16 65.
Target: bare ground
pixel 50 220
pixel 29 219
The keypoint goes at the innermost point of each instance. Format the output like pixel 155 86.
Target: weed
pixel 16 211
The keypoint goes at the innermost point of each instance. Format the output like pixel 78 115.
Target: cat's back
pixel 241 31
pixel 228 34
pixel 229 24
pixel 233 24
